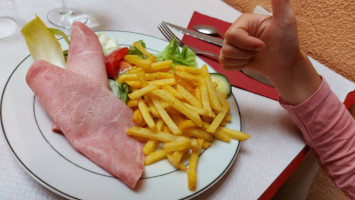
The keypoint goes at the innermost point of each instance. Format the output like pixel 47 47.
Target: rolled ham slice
pixel 91 117
pixel 85 57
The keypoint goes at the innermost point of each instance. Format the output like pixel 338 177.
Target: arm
pixel 329 130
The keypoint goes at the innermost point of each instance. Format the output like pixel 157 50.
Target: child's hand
pixel 266 44
pixel 269 45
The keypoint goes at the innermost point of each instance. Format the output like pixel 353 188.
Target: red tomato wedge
pixel 112 61
pixel 123 65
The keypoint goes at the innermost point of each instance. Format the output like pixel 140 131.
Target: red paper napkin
pixel 237 78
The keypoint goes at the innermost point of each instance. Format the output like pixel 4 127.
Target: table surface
pixel 275 141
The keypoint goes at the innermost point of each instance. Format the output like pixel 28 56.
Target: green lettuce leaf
pixel 58 32
pixel 134 51
pixel 120 90
pixel 172 51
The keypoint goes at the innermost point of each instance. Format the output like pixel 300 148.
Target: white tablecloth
pixel 275 140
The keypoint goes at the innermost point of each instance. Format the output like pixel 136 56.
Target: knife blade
pixel 200 36
pixel 257 76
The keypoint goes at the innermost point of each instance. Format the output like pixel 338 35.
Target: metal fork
pixel 168 34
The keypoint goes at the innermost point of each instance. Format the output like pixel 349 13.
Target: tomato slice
pixel 112 61
pixel 123 65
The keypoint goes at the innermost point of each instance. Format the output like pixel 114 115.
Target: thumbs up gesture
pixel 269 45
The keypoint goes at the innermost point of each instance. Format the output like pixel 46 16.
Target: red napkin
pixel 237 78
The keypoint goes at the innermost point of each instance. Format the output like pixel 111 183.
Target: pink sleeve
pixel 329 130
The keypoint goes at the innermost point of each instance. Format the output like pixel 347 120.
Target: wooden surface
pixel 327 34
pixel 323 188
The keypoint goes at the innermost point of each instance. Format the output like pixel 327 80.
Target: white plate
pixel 51 160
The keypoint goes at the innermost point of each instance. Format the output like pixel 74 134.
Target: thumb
pixel 281 9
pixel 241 33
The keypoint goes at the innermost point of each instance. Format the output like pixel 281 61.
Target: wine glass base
pixel 8 27
pixel 64 18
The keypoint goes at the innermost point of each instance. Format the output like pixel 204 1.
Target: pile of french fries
pixel 178 112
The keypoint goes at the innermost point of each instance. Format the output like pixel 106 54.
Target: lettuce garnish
pixel 171 52
pixel 60 33
pixel 134 51
pixel 120 90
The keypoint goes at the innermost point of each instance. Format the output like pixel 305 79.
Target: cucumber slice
pixel 223 84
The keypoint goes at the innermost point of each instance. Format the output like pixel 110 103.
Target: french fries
pixel 188 96
pixel 154 157
pixel 151 134
pixel 177 145
pixel 178 112
pixel 191 174
pixel 145 113
pixel 165 116
pixel 138 93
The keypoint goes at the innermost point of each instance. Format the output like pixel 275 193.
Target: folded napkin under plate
pixel 236 78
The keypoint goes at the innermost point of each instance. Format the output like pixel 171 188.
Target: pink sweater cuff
pixel 311 103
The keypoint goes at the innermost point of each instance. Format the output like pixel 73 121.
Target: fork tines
pixel 168 34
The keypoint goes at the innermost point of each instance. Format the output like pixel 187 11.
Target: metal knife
pixel 197 35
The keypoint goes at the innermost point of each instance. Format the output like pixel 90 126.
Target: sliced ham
pixel 91 117
pixel 85 56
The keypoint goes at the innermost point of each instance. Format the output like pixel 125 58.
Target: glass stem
pixel 66 7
